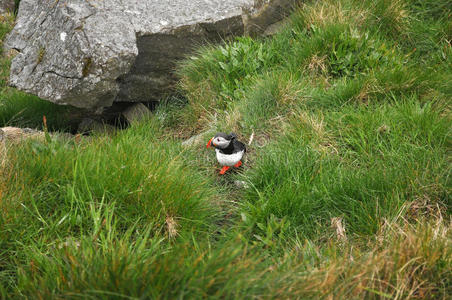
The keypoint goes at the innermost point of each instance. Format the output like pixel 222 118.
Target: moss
pixel 41 54
pixel 87 62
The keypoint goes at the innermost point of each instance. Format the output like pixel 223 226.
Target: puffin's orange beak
pixel 209 143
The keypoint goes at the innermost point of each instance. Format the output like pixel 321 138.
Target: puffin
pixel 228 149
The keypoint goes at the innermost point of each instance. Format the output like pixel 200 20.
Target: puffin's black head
pixel 221 140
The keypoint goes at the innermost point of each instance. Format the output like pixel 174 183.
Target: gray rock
pixel 7 6
pixel 15 134
pixel 198 139
pixel 70 242
pixel 88 125
pixel 137 112
pixel 241 184
pixel 11 135
pixel 269 12
pixel 90 53
pixel 275 28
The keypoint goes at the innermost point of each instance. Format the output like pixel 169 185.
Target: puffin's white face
pixel 220 142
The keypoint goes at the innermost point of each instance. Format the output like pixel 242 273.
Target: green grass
pixel 347 179
pixel 24 110
pixel 362 169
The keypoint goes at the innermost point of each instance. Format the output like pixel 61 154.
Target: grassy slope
pixel 350 110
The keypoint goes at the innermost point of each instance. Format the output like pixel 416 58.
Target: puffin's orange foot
pixel 224 169
pixel 238 164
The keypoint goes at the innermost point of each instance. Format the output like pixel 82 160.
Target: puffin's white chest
pixel 229 159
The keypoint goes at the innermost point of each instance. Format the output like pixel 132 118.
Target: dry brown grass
pixel 337 223
pixel 390 13
pixel 411 262
pixel 171 227
pixel 315 129
pixel 3 167
pixel 233 118
pixel 322 13
pixel 318 65
pixel 290 91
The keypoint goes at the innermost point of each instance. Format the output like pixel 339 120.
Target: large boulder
pixel 90 54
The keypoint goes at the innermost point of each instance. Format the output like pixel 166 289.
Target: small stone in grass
pixel 240 184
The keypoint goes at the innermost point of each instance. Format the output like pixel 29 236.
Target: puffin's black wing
pixel 239 146
pixel 232 135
